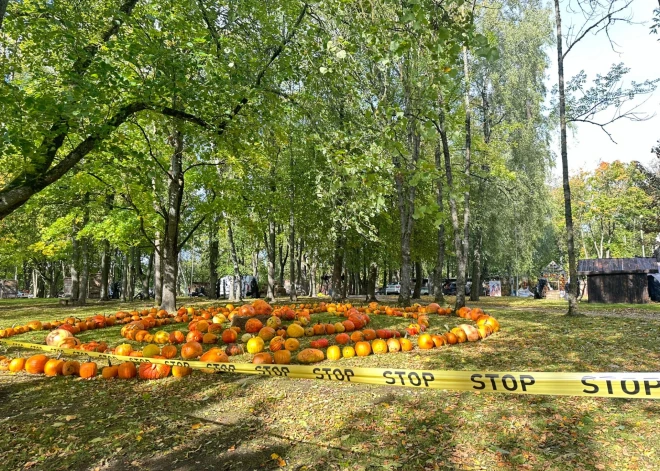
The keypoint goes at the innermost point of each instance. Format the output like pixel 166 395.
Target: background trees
pixel 327 147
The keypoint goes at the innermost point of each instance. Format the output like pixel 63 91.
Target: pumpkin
pixel 484 331
pixel 276 344
pixel 362 349
pixel 229 336
pixel 282 357
pixel 127 370
pixel 432 308
pixel 35 325
pixel 393 345
pixel 425 342
pixel 110 372
pixel 124 349
pixel 177 337
pixel 295 331
pixel 233 349
pixel 215 355
pixel 181 371
pixel 161 337
pixel 255 345
pixel 267 333
pixel 379 346
pixel 406 344
pixel 262 308
pixel 357 336
pixel 438 340
pixel 342 339
pixel 16 365
pixel 460 334
pixel 333 353
pixel 88 370
pixel 274 322
pixel 209 338
pixel 247 311
pixel 253 326
pixel 56 335
pixel 153 371
pixel 348 352
pixel 320 343
pixel 194 336
pixel 68 342
pixel 169 351
pixel 245 338
pixel 292 345
pixel 53 367
pixel 471 332
pixel 310 355
pixel 70 368
pixel 339 327
pixel 35 364
pixel 263 358
pixel 191 350
pixel 451 338
pixel 348 326
pixel 202 326
pixel 150 351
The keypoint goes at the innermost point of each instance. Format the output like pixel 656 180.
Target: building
pixel 618 280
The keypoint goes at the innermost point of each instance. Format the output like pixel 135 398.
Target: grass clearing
pixel 239 422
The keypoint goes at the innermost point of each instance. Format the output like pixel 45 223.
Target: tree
pixel 607 92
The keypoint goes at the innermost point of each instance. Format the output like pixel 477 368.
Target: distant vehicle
pixel 424 291
pixel 451 289
pixel 393 288
pixel 525 293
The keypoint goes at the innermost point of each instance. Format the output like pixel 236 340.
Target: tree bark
pixel 105 270
pixel 213 258
pixel 568 212
pixel 235 293
pixel 313 290
pixel 170 244
pixel 84 253
pixel 75 264
pixel 371 286
pixel 130 295
pixel 476 268
pixel 270 249
pixel 417 293
pixel 293 295
pixel 283 259
pixel 438 296
pixel 337 266
pixel 124 276
pixel 54 278
pixel 146 278
pixel 158 269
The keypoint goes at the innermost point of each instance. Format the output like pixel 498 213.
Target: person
pixel 254 288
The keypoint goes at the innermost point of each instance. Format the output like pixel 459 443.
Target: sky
pixel 639 51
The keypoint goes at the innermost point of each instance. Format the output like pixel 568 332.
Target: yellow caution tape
pixel 625 385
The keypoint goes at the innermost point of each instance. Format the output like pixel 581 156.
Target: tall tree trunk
pixel 476 268
pixel 371 286
pixel 35 282
pixel 75 264
pixel 158 269
pixel 84 254
pixel 146 278
pixel 130 295
pixel 283 259
pixel 299 263
pixel 438 296
pixel 52 282
pixel 170 244
pixel 124 276
pixel 235 292
pixel 417 293
pixel 255 262
pixel 293 295
pixel 105 270
pixel 568 212
pixel 270 249
pixel 338 263
pixel 313 290
pixel 213 258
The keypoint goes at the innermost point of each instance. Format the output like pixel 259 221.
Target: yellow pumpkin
pixel 295 331
pixel 333 353
pixel 255 345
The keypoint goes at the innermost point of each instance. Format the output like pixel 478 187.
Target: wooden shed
pixel 618 280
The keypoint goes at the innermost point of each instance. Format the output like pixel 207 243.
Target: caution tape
pixel 622 385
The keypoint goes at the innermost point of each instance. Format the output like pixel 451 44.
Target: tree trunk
pixel 213 259
pixel 105 269
pixel 337 266
pixel 124 276
pixel 417 293
pixel 146 278
pixel 158 270
pixel 283 259
pixel 568 212
pixel 255 262
pixel 312 275
pixel 270 248
pixel 35 282
pixel 52 283
pixel 75 264
pixel 293 295
pixel 438 296
pixel 130 295
pixel 476 268
pixel 170 244
pixel 84 275
pixel 235 293
pixel 371 286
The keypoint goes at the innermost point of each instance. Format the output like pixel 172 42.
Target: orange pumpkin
pixel 70 368
pixel 406 344
pixel 16 365
pixel 153 371
pixel 181 371
pixel 229 336
pixel 127 370
pixel 109 372
pixel 292 344
pixel 177 337
pixel 263 358
pixel 282 357
pixel 88 370
pixel 425 342
pixel 35 364
pixel 357 336
pixel 169 351
pixel 362 349
pixel 191 350
pixel 53 367
pixel 253 326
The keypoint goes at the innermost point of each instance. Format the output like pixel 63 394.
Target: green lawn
pixel 244 422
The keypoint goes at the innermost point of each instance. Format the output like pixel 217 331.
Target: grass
pixel 242 422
